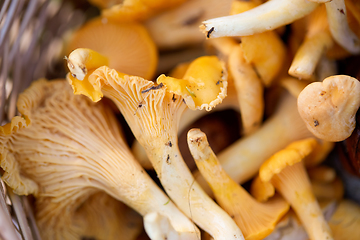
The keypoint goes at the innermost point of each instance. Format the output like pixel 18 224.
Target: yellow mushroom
pixel 256 220
pixel 287 173
pixel 242 159
pixel 126 47
pixel 260 190
pixel 266 52
pixel 204 84
pixel 153 114
pixel 317 40
pixel 249 88
pixel 328 108
pixel 63 149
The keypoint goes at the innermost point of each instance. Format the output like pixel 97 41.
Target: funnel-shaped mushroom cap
pixel 127 46
pixel 256 220
pixel 328 108
pixel 345 222
pixel 153 114
pixel 65 148
pixel 204 84
pixel 293 153
pixel 288 175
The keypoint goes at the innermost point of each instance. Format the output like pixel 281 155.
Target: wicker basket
pixel 31 40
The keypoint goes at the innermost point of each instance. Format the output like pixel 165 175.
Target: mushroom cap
pixel 204 84
pixel 128 46
pixel 293 153
pixel 328 108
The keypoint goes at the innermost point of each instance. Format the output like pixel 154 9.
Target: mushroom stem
pixel 249 90
pixel 64 149
pixel 339 27
pixel 256 220
pixel 243 158
pixel 301 198
pixel 158 227
pixel 153 117
pixel 309 54
pixel 267 16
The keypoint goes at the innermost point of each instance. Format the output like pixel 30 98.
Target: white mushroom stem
pixel 339 27
pixel 158 227
pixel 243 158
pixel 153 116
pixel 309 54
pixel 267 16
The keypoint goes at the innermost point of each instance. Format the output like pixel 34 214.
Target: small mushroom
pixel 267 16
pixel 127 47
pixel 328 108
pixel 287 173
pixel 256 220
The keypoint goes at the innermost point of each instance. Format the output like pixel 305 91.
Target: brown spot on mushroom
pixel 316 123
pixel 83 69
pixel 173 98
pixel 341 11
pixel 168 144
pixel 322 93
pixel 168 159
pixel 209 32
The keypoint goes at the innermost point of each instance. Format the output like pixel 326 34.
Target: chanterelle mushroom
pixel 127 47
pixel 328 108
pixel 243 158
pixel 256 220
pixel 287 173
pixel 153 114
pixel 63 149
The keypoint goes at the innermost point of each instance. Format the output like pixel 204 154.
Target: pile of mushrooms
pixel 164 65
